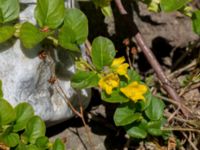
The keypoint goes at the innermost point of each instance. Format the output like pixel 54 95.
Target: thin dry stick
pixel 81 114
pixel 152 59
pixel 180 129
pixel 189 140
pixel 179 71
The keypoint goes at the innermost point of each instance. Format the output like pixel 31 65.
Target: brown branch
pixel 149 55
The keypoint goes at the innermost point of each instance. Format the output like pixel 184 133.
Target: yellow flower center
pixel 109 82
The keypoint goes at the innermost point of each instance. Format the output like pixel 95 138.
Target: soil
pixel 169 35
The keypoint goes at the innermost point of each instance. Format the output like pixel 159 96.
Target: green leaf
pixel 155 109
pixel 115 97
pixel 125 115
pixel 74 31
pixel 24 112
pixel 10 140
pixel 30 35
pixel 107 11
pixel 9 10
pixel 1 91
pixel 154 128
pixel 136 132
pixel 32 147
pixel 7 112
pixel 101 3
pixel 172 5
pixel 196 21
pixel 21 146
pixel 42 142
pixel 50 13
pixel 103 52
pixel 35 128
pixel 83 79
pixel 58 145
pixel 133 75
pixel 142 105
pixel 6 33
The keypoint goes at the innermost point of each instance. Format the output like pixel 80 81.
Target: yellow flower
pixel 109 82
pixel 120 67
pixel 134 91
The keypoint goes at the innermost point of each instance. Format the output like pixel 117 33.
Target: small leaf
pixel 9 10
pixel 107 10
pixel 83 79
pixel 42 142
pixel 103 52
pixel 115 97
pixel 35 128
pixel 172 5
pixel 30 35
pixel 50 13
pixel 58 145
pixel 24 112
pixel 21 146
pixel 10 140
pixel 142 105
pixel 154 128
pixel 196 21
pixel 125 115
pixel 7 112
pixel 74 31
pixel 32 147
pixel 137 132
pixel 1 91
pixel 6 32
pixel 101 3
pixel 133 75
pixel 155 109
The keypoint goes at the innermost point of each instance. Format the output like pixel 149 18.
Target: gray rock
pixel 26 77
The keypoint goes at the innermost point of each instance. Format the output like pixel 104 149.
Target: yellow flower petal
pixel 119 67
pixel 134 91
pixel 117 61
pixel 109 82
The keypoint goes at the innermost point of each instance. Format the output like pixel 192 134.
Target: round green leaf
pixel 35 128
pixel 74 31
pixel 24 112
pixel 7 113
pixel 155 109
pixel 6 33
pixel 42 142
pixel 30 35
pixel 125 115
pixel 136 132
pixel 196 21
pixel 103 52
pixel 172 5
pixel 9 10
pixel 50 13
pixel 154 128
pixel 83 79
pixel 58 145
pixel 10 140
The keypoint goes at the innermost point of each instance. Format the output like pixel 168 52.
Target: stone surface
pixel 25 78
